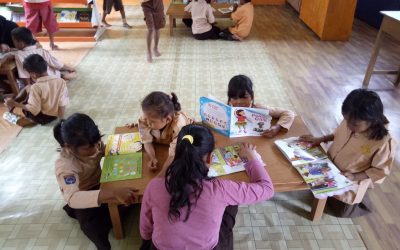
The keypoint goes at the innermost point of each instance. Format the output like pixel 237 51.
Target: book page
pixel 122 167
pixel 226 160
pixel 249 121
pixel 119 144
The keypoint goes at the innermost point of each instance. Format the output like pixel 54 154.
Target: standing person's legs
pixel 225 241
pixel 149 19
pixel 119 6
pixel 159 23
pixel 49 21
pixel 95 224
pixel 32 17
pixel 107 6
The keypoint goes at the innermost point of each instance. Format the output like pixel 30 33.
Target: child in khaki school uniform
pixel 78 174
pixel 362 148
pixel 46 98
pixel 161 122
pixel 243 16
pixel 27 45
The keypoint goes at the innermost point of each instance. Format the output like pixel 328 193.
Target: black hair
pixel 35 64
pixel 365 105
pixel 238 111
pixel 238 87
pixel 24 35
pixel 185 175
pixel 78 130
pixel 161 104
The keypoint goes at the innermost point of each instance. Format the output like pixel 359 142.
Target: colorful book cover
pixel 68 16
pixel 122 167
pixel 320 174
pixel 120 144
pixel 226 160
pixel 233 121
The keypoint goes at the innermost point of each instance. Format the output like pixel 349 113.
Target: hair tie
pixel 189 138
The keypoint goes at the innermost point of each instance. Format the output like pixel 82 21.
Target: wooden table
pixel 9 69
pixel 390 27
pixel 177 10
pixel 283 175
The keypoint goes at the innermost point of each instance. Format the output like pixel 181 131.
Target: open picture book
pixel 123 158
pixel 226 160
pixel 226 10
pixel 233 121
pixel 321 175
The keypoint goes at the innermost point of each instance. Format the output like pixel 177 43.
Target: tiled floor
pixel 112 80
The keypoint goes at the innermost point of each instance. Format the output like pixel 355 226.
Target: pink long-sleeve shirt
pixel 201 230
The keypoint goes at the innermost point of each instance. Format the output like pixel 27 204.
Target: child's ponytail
pixel 58 134
pixel 185 175
pixel 174 99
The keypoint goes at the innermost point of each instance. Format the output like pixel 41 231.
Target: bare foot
pixel 105 24
pixel 156 53
pixel 25 122
pixel 149 58
pixel 126 25
pixel 54 47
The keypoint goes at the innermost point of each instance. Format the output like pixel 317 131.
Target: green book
pixel 122 167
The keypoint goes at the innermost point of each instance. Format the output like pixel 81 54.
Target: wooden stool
pixel 390 26
pixel 9 69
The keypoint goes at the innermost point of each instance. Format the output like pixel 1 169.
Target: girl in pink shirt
pixel 184 209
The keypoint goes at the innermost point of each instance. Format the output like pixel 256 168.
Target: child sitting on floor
pixel 78 172
pixel 242 15
pixel 241 94
pixel 41 102
pixel 362 149
pixel 161 122
pixel 203 19
pixel 26 45
pixel 185 207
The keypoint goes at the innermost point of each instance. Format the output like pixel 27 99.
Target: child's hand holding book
pixel 248 151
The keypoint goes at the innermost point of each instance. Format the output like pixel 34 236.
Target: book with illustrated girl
pixel 226 160
pixel 123 158
pixel 233 121
pixel 321 175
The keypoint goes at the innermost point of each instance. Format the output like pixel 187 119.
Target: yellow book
pixel 120 144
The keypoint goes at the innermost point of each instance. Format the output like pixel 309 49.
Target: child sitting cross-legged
pixel 41 102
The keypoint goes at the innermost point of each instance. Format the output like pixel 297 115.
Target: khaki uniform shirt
pixel 243 16
pixel 285 117
pixel 355 153
pixel 168 135
pixel 76 177
pixel 54 65
pixel 47 95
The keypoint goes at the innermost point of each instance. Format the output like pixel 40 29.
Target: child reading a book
pixel 242 15
pixel 27 45
pixel 161 122
pixel 241 94
pixel 362 147
pixel 203 19
pixel 46 98
pixel 39 13
pixel 78 172
pixel 191 205
pixel 154 16
pixel 118 6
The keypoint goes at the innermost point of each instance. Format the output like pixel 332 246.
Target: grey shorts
pixel 109 4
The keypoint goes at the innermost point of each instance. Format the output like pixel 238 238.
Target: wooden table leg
pixel 397 82
pixel 174 22
pixel 116 221
pixel 317 209
pixel 372 61
pixel 13 82
pixel 171 25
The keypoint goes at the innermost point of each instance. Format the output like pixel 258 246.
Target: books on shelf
pixel 233 121
pixel 321 175
pixel 67 16
pixel 226 160
pixel 123 158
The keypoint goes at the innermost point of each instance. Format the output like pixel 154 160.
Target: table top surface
pixel 178 10
pixel 393 14
pixel 283 175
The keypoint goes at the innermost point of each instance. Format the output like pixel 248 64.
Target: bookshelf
pixel 79 31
